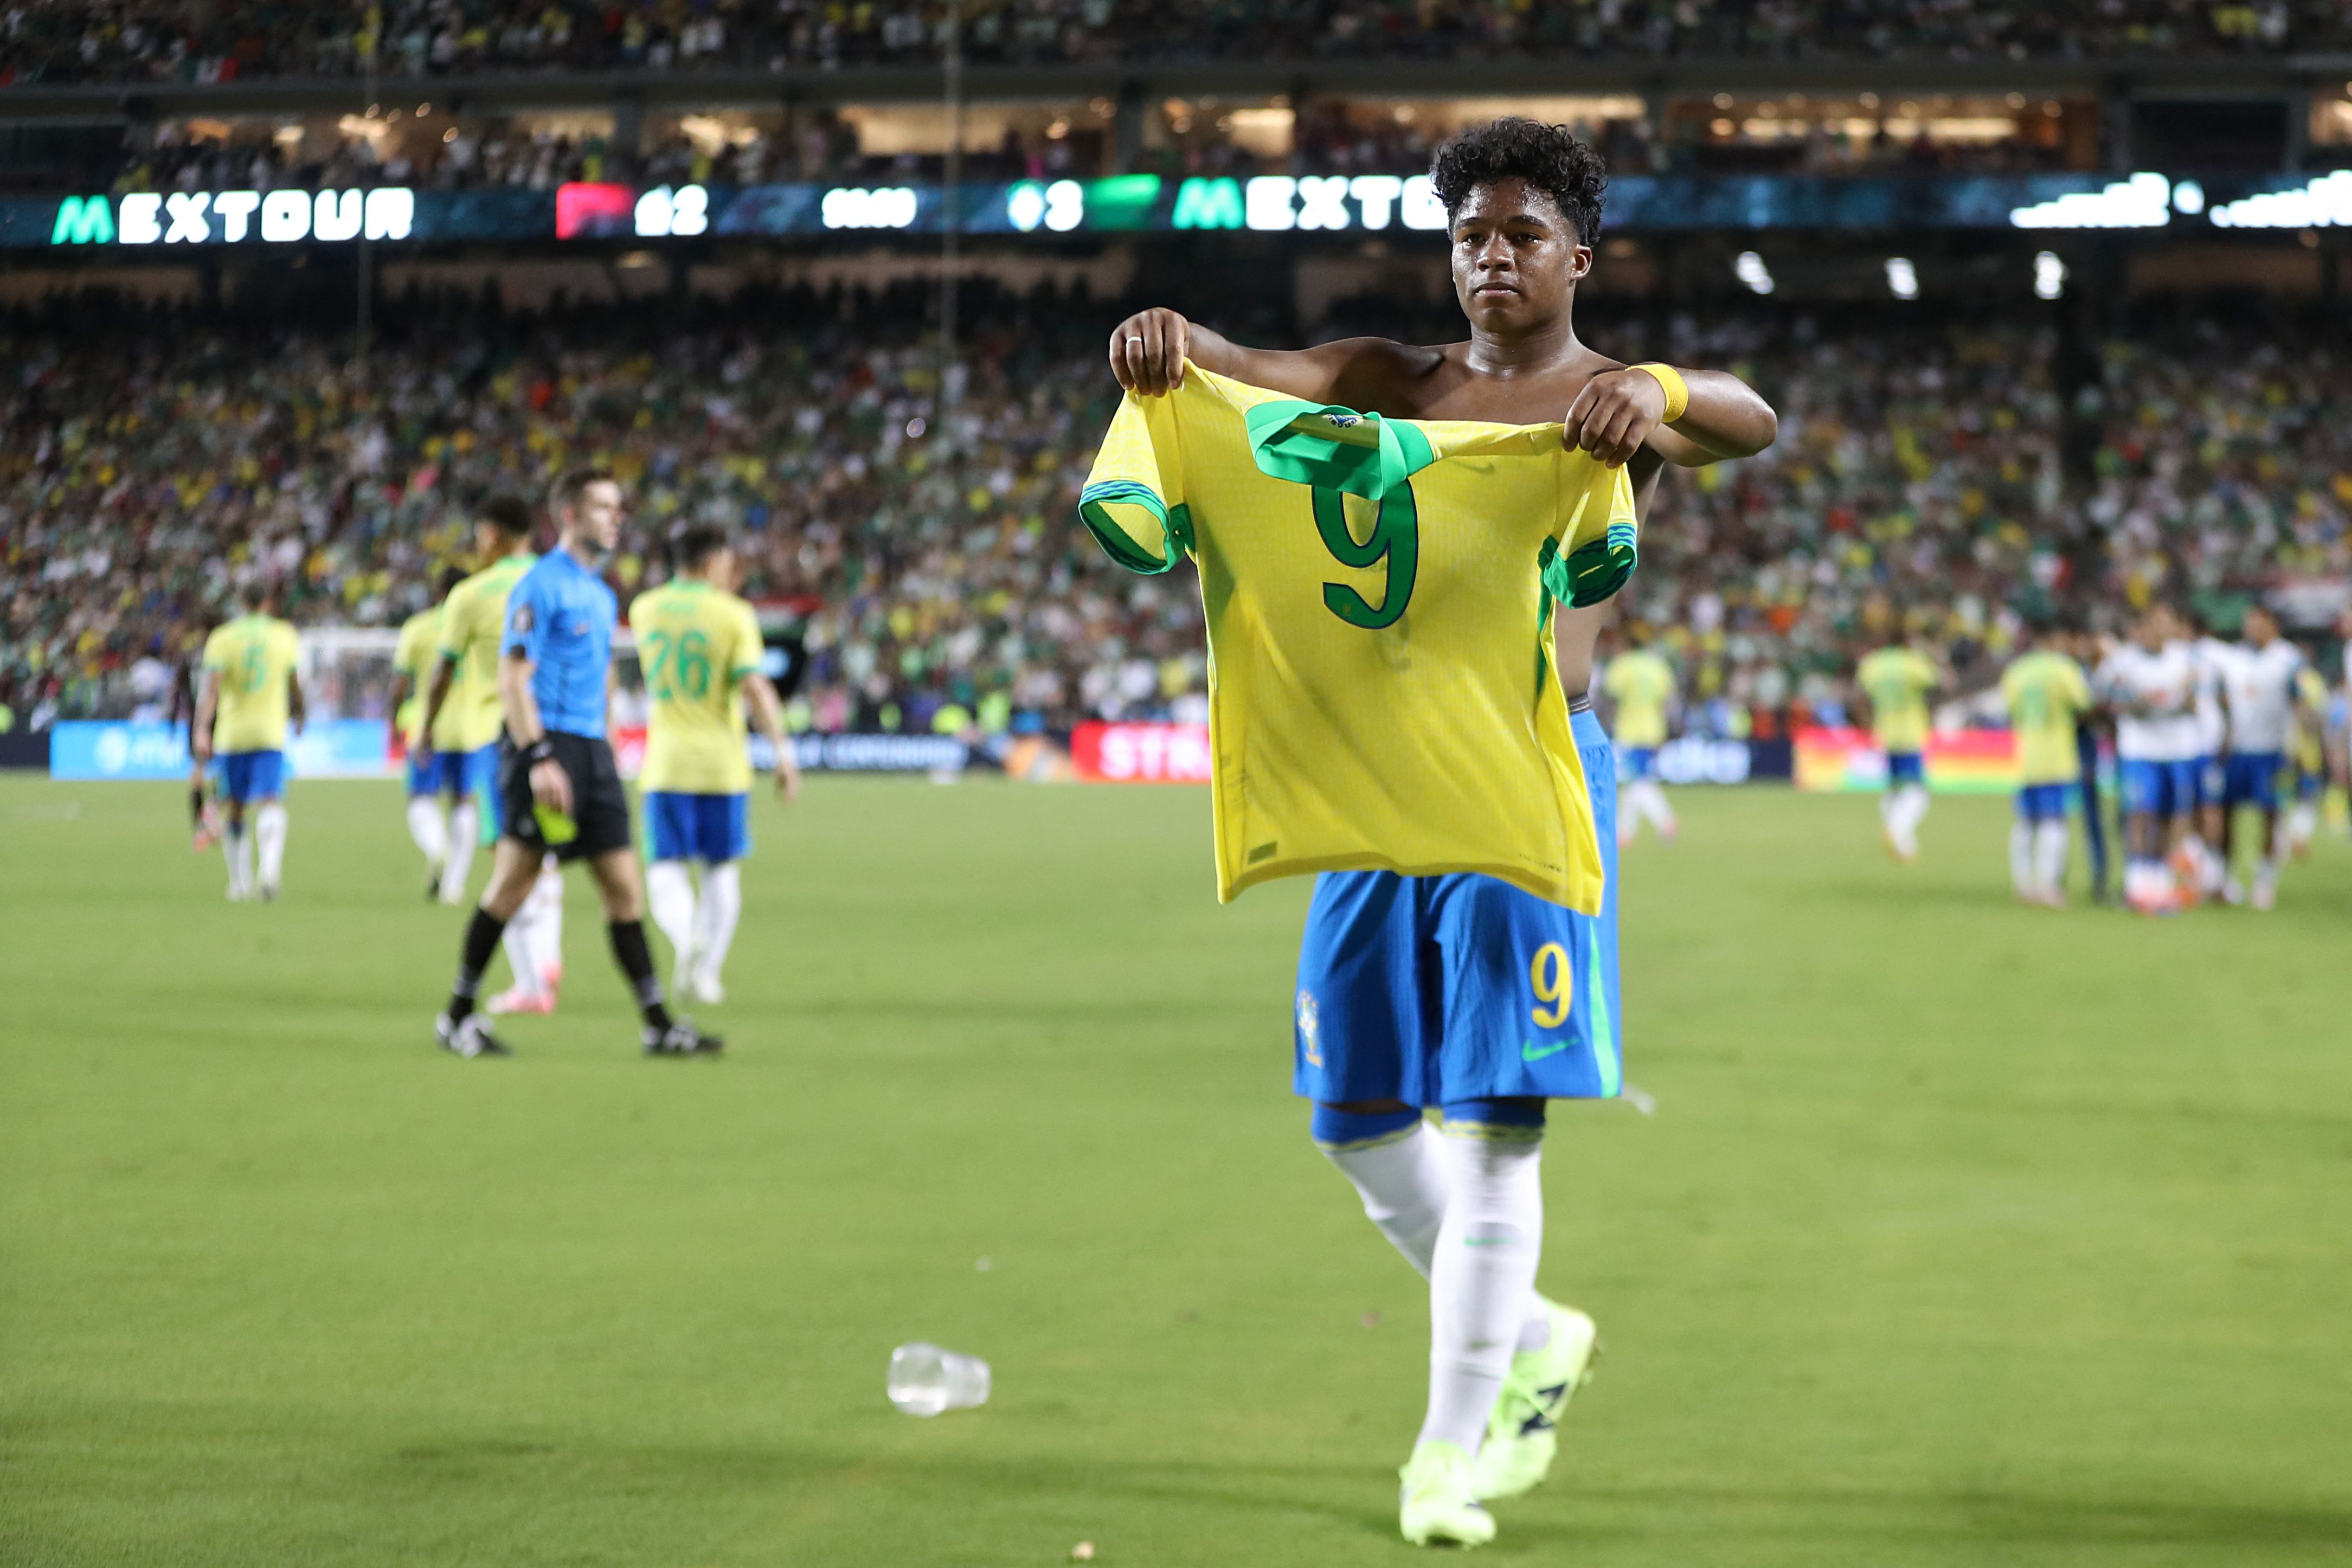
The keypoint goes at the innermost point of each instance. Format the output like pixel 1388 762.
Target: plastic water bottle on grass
pixel 926 1379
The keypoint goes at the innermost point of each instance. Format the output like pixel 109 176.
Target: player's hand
pixel 1614 414
pixel 420 751
pixel 788 786
pixel 552 786
pixel 201 748
pixel 1147 349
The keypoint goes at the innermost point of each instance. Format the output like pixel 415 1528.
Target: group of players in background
pixel 502 697
pixel 2204 732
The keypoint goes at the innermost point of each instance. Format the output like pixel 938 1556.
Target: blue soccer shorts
pixel 2158 788
pixel 2043 803
pixel 1905 768
pixel 2253 778
pixel 252 776
pixel 711 827
pixel 1636 763
pixel 455 773
pixel 1437 990
pixel 2212 781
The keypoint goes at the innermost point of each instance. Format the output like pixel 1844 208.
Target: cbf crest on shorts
pixel 1310 1028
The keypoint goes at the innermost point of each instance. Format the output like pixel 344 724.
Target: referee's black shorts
pixel 600 808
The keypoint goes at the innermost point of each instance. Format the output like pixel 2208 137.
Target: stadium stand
pixel 155 461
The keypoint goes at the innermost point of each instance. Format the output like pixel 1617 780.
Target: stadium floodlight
pixel 2323 203
pixel 2188 198
pixel 1750 270
pixel 2048 276
pixel 2143 201
pixel 1902 278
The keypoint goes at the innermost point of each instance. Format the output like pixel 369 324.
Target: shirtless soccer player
pixel 1382 951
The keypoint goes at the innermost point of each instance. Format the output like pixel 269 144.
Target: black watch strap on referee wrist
pixel 540 750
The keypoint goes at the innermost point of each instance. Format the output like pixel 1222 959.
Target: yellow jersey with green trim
pixel 1641 684
pixel 255 656
pixel 1898 680
pixel 472 618
pixel 1379 594
pixel 2046 691
pixel 416 656
pixel 695 643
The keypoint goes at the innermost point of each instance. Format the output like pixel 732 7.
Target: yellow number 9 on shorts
pixel 1554 979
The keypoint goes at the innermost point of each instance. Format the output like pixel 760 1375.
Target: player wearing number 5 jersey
pixel 2045 691
pixel 1391 660
pixel 251 694
pixel 699 648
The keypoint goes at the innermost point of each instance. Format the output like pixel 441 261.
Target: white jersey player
pixel 2264 686
pixel 2152 683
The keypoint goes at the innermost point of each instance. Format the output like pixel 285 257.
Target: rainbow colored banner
pixel 1965 762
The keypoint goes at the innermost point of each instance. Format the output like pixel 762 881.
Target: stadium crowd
pixel 152 465
pixel 127 41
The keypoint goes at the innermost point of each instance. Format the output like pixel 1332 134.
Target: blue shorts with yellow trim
pixel 716 828
pixel 454 773
pixel 2250 778
pixel 1435 989
pixel 1905 768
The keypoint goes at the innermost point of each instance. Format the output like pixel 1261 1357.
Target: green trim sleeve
pixel 1175 528
pixel 1594 571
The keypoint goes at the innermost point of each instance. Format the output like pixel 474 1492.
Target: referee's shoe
pixel 680 1039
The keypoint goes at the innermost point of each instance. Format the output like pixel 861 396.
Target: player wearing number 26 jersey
pixel 699 649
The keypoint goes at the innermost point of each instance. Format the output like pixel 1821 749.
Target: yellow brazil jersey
pixel 2310 737
pixel 471 619
pixel 2046 692
pixel 695 643
pixel 255 656
pixel 1898 680
pixel 1641 684
pixel 1378 594
pixel 416 656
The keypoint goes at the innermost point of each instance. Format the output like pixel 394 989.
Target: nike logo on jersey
pixel 1534 1052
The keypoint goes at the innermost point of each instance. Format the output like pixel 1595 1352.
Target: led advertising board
pixel 1308 205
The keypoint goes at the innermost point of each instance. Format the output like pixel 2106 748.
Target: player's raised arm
pixel 1147 351
pixel 1689 417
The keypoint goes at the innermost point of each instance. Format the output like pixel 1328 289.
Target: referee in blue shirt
pixel 557 779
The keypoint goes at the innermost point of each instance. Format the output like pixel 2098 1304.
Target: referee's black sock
pixel 637 962
pixel 197 806
pixel 482 933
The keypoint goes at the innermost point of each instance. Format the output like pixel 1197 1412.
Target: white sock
pixel 669 895
pixel 2049 848
pixel 547 929
pixel 428 829
pixel 520 940
pixel 2267 875
pixel 465 831
pixel 1649 804
pixel 1482 1281
pixel 236 845
pixel 1914 805
pixel 2302 822
pixel 269 833
pixel 2020 858
pixel 1404 1186
pixel 722 906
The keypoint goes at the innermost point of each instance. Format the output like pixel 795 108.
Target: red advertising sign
pixel 1141 754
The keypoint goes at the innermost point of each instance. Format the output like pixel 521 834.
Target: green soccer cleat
pixel 1523 1435
pixel 1438 1505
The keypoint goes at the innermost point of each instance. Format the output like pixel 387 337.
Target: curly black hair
pixel 1547 157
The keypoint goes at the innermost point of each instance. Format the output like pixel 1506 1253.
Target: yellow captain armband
pixel 1676 389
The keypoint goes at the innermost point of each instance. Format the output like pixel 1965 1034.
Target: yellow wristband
pixel 1678 390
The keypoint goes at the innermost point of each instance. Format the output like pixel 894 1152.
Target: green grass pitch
pixel 1962 1235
